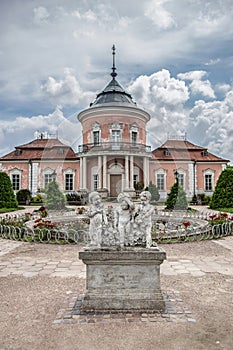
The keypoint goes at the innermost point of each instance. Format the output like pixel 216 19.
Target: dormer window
pixel 60 151
pixel 17 152
pixel 166 152
pixel 204 153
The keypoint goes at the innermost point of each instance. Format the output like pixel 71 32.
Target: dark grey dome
pixel 113 93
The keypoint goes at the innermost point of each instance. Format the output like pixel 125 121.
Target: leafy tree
pixel 7 196
pixel 54 197
pixel 177 198
pixel 23 196
pixel 154 192
pixel 139 186
pixel 223 194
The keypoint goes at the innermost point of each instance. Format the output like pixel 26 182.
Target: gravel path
pixel 31 297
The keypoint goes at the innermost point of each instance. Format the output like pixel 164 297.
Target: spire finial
pixel 113 74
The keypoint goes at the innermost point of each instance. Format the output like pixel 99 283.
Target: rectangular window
pixel 208 183
pixel 116 136
pixel 47 178
pixel 95 182
pixel 16 182
pixel 181 180
pixel 96 138
pixel 69 182
pixel 160 182
pixel 135 180
pixel 134 137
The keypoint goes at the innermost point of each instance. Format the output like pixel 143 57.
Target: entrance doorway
pixel 115 185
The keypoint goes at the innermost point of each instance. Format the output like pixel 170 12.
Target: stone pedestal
pixel 126 279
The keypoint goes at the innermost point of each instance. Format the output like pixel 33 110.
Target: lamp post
pixel 176 176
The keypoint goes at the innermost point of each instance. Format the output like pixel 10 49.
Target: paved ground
pixel 40 284
pixel 30 266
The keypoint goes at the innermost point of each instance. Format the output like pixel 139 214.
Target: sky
pixel 175 57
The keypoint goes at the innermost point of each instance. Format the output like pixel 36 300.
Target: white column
pixel 131 172
pixel 81 173
pixel 99 172
pixel 104 172
pixel 84 173
pixel 126 185
pixel 145 171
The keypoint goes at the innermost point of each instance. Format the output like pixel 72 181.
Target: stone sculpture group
pixel 129 225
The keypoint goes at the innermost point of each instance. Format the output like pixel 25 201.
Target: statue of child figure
pixel 143 217
pixel 98 219
pixel 123 219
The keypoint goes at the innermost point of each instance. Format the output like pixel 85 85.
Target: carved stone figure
pixel 123 219
pixel 98 219
pixel 143 218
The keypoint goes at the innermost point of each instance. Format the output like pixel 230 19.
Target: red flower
pixel 212 216
pixel 37 220
pixel 186 223
pixel 224 215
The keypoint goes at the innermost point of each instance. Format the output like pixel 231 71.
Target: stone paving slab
pixel 34 266
pixel 71 312
pixel 7 246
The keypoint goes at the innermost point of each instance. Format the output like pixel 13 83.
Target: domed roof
pixel 113 93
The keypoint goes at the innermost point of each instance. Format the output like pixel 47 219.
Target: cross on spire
pixel 113 74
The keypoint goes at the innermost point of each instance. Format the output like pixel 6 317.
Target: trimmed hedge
pixel 7 196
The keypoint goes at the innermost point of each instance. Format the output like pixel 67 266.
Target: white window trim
pixel 71 172
pixel 212 173
pixel 161 172
pixel 96 127
pixel 183 172
pixel 16 171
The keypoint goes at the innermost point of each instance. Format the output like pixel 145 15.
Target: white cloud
pixel 212 62
pixel 24 128
pixel 215 121
pixel 160 17
pixel 41 15
pixel 164 97
pixel 66 91
pixel 197 85
pixel 159 89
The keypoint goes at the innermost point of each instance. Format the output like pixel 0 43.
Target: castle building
pixel 114 156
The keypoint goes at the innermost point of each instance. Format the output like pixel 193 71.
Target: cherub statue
pixel 98 219
pixel 123 219
pixel 143 217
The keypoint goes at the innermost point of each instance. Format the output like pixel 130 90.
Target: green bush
pixel 154 192
pixel 7 196
pixel 37 199
pixel 54 197
pixel 139 186
pixel 223 194
pixel 177 198
pixel 23 196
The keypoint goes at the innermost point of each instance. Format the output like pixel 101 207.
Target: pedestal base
pixel 126 279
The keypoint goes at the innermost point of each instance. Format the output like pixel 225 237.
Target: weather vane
pixel 113 74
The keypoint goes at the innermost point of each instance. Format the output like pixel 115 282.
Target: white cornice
pixel 114 111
